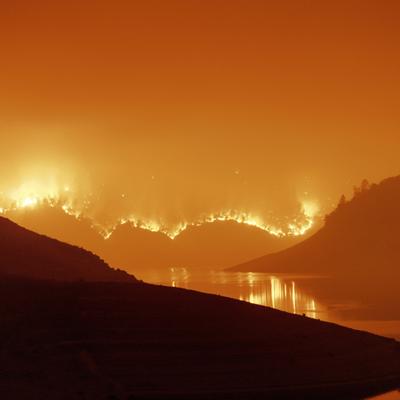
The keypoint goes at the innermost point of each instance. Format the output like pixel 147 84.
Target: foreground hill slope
pixel 87 340
pixel 27 254
pixel 360 236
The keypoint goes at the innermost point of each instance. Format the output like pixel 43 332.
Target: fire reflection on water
pixel 275 293
pixel 279 292
pixel 272 291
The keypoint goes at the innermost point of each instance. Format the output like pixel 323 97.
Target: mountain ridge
pixel 31 255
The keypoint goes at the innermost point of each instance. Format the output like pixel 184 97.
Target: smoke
pixel 113 173
pixel 113 179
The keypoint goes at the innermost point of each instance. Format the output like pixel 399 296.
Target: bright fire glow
pixel 257 288
pixel 31 195
pixel 278 294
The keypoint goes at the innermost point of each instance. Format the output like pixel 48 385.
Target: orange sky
pixel 186 107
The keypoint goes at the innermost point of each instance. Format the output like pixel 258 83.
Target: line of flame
pixel 64 200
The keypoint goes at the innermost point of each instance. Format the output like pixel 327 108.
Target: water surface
pixel 313 296
pixel 277 291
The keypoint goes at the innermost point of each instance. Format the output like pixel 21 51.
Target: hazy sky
pixel 170 109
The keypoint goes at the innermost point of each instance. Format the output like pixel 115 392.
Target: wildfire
pixel 30 196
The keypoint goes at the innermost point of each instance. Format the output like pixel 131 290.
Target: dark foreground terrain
pixel 139 341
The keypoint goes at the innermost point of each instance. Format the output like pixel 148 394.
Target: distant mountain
pixel 215 245
pixel 220 244
pixel 136 249
pixel 89 340
pixel 212 245
pixel 360 236
pixel 24 253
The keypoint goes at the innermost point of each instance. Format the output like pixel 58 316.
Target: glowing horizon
pixel 30 196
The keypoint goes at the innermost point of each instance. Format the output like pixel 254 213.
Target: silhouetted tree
pixel 364 187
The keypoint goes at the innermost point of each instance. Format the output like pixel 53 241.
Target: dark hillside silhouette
pixel 361 237
pixel 137 341
pixel 27 254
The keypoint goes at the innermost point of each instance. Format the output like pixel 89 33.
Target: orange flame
pixel 31 195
